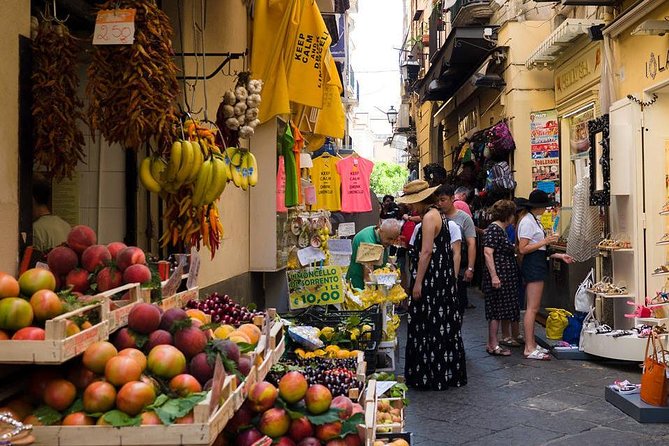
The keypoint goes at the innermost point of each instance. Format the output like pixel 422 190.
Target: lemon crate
pixel 322 317
pixel 58 347
pixel 210 418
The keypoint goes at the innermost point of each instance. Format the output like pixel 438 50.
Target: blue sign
pixel 338 50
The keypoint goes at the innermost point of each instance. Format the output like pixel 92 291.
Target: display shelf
pixel 662 243
pixel 660 274
pixel 635 408
pixel 664 212
pixel 625 348
pixel 651 320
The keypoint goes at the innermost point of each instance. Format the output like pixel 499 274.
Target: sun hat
pixel 415 192
pixel 537 199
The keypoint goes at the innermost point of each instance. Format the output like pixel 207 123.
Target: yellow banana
pixel 158 166
pixel 230 152
pixel 187 159
pixel 236 175
pixel 228 166
pixel 146 178
pixel 253 169
pixel 174 163
pixel 201 183
pixel 245 171
pixel 236 158
pixel 218 181
pixel 197 163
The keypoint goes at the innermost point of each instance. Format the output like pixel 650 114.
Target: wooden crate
pixel 58 347
pixel 206 428
pixel 368 430
pixel 120 309
pixel 179 300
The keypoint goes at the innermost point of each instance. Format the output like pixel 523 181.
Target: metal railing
pixel 462 5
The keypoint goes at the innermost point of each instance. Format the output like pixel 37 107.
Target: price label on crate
pixel 315 286
pixel 114 27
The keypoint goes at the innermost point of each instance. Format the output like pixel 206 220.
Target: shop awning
pixel 551 48
pixel 463 52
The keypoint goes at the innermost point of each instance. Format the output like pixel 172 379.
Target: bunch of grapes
pixel 223 309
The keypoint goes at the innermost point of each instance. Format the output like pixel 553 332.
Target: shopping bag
pixel 589 325
pixel 556 322
pixel 654 386
pixel 583 300
pixel 572 332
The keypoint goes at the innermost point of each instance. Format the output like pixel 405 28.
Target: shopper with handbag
pixel 532 244
pixel 500 278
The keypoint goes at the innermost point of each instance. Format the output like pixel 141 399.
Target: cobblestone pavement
pixel 515 401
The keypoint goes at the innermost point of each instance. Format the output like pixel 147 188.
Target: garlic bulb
pixel 240 109
pixel 229 98
pixel 246 132
pixel 232 123
pixel 241 94
pixel 252 113
pixel 228 111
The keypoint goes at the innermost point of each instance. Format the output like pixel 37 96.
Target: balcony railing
pixel 470 12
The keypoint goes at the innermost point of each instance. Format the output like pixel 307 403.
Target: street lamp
pixel 392 116
pixel 409 69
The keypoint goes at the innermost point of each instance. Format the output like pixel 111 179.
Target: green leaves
pixel 351 425
pixel 296 412
pixel 77 406
pixel 388 178
pixel 47 415
pixel 119 419
pixel 170 409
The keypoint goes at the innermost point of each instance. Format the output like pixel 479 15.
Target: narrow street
pixel 513 401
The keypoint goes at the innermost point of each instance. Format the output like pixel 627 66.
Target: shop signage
pixel 657 63
pixel 545 150
pixel 468 122
pixel 578 73
pixel 114 27
pixel 315 286
pixel 338 50
pixel 346 229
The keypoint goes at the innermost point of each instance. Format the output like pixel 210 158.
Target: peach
pixel 275 422
pixel 159 337
pixel 252 332
pixel 137 273
pixel 318 399
pixel 144 318
pixel 120 370
pixel 97 354
pixel 30 334
pixel 80 238
pixel 300 429
pixel 78 280
pixel 125 338
pixel 108 278
pixel 116 247
pixel 190 341
pixel 135 354
pixel 131 255
pixel 293 386
pixel 150 417
pixel 201 368
pixel 9 286
pixel 62 260
pixel 95 257
pixel 262 396
pixel 328 431
pixel 345 405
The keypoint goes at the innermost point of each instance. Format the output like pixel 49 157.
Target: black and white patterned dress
pixel 435 354
pixel 501 304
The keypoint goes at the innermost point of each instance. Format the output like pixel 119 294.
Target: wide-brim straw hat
pixel 415 192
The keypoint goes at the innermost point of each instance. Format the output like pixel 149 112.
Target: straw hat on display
pixel 415 192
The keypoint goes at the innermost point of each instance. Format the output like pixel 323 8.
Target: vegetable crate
pixel 368 342
pixel 274 349
pixel 179 300
pixel 58 347
pixel 210 418
pixel 119 309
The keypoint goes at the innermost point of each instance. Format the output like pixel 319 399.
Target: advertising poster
pixel 545 149
pixel 315 286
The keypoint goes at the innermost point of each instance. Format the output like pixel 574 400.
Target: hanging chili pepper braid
pixel 133 88
pixel 56 108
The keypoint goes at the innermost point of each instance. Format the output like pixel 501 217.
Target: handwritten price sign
pixel 315 286
pixel 115 27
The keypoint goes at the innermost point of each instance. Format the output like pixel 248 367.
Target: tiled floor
pixel 515 401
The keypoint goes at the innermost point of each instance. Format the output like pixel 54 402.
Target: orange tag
pixel 115 27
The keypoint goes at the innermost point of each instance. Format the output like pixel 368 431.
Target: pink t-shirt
pixel 464 207
pixel 354 172
pixel 281 186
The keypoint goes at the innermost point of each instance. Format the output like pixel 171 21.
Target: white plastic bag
pixel 584 301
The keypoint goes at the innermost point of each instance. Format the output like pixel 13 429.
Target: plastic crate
pixel 323 317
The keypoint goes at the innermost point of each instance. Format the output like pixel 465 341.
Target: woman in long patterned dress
pixel 435 355
pixel 500 279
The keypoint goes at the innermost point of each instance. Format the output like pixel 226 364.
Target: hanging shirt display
pixel 287 144
pixel 281 186
pixel 354 172
pixel 327 183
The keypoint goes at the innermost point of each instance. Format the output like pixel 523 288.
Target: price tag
pixel 194 270
pixel 310 255
pixel 216 385
pixel 346 229
pixel 115 27
pixel 315 286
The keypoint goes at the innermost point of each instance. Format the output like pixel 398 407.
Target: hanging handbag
pixel 654 386
pixel 556 322
pixel 584 301
pixel 589 325
pixel 500 140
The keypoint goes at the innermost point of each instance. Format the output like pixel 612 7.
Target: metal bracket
pixel 228 58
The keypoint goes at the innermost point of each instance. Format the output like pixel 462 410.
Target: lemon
pixel 318 353
pixel 327 333
pixel 332 348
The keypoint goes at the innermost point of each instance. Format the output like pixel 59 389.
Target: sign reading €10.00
pixel 315 286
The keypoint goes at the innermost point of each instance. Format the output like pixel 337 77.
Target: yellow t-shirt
pixel 327 183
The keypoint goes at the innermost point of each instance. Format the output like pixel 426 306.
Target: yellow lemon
pixel 327 332
pixel 342 354
pixel 223 331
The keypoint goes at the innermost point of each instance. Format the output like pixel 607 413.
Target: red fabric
pixel 464 207
pixel 281 186
pixel 407 232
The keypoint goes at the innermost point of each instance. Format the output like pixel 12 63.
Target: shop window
pixel 579 141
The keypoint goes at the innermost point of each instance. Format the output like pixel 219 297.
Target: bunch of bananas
pixel 392 324
pixel 190 181
pixel 242 166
